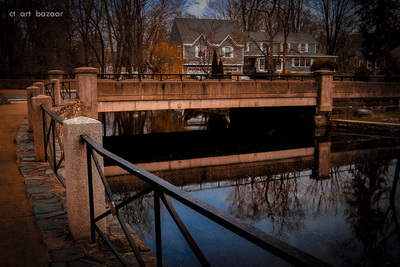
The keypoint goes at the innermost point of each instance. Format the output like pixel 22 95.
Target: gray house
pixel 196 39
pixel 301 51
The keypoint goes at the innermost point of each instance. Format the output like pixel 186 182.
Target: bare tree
pixel 247 12
pixel 338 20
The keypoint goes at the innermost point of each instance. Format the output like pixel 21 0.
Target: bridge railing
pixel 65 91
pixel 372 78
pixel 52 142
pixel 49 90
pixel 162 191
pixel 241 77
pixel 202 77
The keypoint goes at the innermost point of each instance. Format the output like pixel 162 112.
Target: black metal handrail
pixel 49 90
pixel 65 91
pixel 50 133
pixel 239 77
pixel 162 189
pixel 371 78
pixel 202 77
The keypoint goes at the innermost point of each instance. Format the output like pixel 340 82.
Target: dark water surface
pixel 350 217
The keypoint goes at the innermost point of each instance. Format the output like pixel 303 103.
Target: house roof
pixel 301 37
pixel 188 30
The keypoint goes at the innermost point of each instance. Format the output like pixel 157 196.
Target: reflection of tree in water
pixel 140 122
pixel 370 198
pixel 323 196
pixel 275 199
pixel 140 215
pixel 284 200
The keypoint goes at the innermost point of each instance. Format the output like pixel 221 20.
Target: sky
pixel 196 7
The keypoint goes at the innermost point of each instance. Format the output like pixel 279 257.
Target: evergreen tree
pixel 379 27
pixel 220 67
pixel 214 66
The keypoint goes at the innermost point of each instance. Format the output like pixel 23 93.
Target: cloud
pixel 196 7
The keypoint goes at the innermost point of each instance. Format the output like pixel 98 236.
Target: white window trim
pixel 248 44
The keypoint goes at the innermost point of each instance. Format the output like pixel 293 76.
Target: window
pixel 261 64
pixel 303 47
pixel 377 63
pixel 369 64
pixel 301 62
pixel 361 63
pixel 198 52
pixel 264 47
pixel 279 65
pixel 227 52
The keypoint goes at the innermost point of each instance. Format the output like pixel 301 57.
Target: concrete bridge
pixel 134 95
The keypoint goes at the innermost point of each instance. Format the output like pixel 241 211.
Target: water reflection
pixel 350 218
pixel 371 212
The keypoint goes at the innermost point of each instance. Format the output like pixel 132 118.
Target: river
pixel 272 181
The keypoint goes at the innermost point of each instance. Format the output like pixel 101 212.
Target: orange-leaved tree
pixel 164 58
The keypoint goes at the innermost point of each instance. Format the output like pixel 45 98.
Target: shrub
pixel 324 64
pixel 361 74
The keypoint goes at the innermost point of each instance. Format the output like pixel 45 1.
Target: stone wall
pixel 68 110
pixel 379 96
pixel 157 95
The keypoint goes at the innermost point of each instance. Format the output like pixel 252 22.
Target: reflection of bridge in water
pixel 254 167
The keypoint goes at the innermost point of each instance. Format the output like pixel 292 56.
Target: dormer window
pixel 303 47
pixel 198 52
pixel 227 52
pixel 287 47
pixel 264 47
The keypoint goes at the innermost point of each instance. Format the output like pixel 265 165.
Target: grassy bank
pixel 388 117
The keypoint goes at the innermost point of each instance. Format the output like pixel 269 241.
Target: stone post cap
pixel 54 80
pixel 86 70
pixel 324 72
pixel 81 120
pixel 55 72
pixel 38 97
pixel 32 87
pixel 38 83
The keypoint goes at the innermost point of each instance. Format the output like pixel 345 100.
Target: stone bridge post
pixel 86 90
pixel 41 86
pixel 323 159
pixel 324 97
pixel 56 92
pixel 56 74
pixel 76 176
pixel 38 133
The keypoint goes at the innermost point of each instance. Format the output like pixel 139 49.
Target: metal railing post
pixel 91 201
